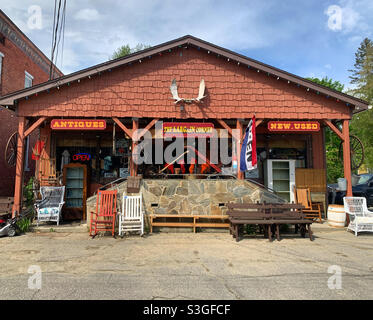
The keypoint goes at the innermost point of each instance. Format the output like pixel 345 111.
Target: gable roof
pixel 10 99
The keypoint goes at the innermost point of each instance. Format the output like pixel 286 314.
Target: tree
pixel 360 60
pixel 125 50
pixel 362 77
pixel 328 82
pixel 334 165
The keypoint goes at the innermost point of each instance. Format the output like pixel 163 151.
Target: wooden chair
pixel 106 210
pixel 361 219
pixel 49 208
pixel 312 210
pixel 132 216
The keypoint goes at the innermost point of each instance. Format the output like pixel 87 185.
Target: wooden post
pixel 135 126
pixel 347 156
pixel 347 160
pixel 240 175
pixel 18 188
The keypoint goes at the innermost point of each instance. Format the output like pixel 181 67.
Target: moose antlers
pixel 176 97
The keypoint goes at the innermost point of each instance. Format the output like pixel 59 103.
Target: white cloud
pixel 87 15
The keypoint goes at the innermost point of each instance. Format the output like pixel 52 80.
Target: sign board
pixel 294 126
pixel 188 129
pixel 78 124
pixel 81 157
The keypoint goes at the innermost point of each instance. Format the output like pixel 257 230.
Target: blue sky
pixel 296 36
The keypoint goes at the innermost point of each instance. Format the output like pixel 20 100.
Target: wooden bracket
pixel 123 127
pixel 335 129
pixel 35 125
pixel 151 124
pixel 258 122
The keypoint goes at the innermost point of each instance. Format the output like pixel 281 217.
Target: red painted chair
pixel 106 210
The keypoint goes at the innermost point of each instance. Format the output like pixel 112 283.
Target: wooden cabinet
pixel 75 182
pixel 280 176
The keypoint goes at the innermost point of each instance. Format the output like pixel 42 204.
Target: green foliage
pixel 28 192
pixel 362 126
pixel 125 50
pixel 362 77
pixel 284 228
pixel 251 229
pixel 334 165
pixel 360 60
pixel 24 224
pixel 328 82
pixel 333 162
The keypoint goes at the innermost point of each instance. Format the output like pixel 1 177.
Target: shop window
pixel 28 80
pixel 104 161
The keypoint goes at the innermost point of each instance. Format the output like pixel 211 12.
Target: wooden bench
pixel 6 205
pixel 268 216
pixel 187 220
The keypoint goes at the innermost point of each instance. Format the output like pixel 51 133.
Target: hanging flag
pixel 248 160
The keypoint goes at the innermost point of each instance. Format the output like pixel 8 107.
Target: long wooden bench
pixel 268 216
pixel 185 220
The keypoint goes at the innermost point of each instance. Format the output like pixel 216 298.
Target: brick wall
pixel 142 90
pixel 14 64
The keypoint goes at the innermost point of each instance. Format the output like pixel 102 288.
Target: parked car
pixel 364 188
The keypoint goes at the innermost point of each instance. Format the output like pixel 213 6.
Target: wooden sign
pixel 188 129
pixel 78 124
pixel 294 126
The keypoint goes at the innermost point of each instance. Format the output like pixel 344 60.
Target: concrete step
pixel 64 228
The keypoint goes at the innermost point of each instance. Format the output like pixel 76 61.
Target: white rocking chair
pixel 361 219
pixel 131 218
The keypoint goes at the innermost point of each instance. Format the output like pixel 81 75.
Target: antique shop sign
pixel 78 124
pixel 294 126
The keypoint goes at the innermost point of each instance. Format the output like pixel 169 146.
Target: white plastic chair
pixel 361 219
pixel 50 206
pixel 132 217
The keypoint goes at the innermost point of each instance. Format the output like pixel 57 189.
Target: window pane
pixel 28 80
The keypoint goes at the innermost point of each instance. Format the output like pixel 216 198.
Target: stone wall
pixel 187 196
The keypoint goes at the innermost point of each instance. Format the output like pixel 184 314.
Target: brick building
pixel 22 64
pixel 134 92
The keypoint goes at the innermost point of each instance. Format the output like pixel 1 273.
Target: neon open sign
pixel 82 157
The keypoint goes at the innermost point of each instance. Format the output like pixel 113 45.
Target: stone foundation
pixel 192 196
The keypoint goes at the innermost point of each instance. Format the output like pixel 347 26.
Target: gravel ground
pixel 187 266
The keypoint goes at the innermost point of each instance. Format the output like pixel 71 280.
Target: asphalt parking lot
pixel 187 266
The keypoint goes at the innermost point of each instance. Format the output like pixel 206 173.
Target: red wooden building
pixel 134 92
pixel 22 65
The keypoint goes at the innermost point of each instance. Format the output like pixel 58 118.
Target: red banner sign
pixel 78 124
pixel 294 126
pixel 180 129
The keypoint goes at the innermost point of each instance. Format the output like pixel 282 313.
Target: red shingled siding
pixel 142 90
